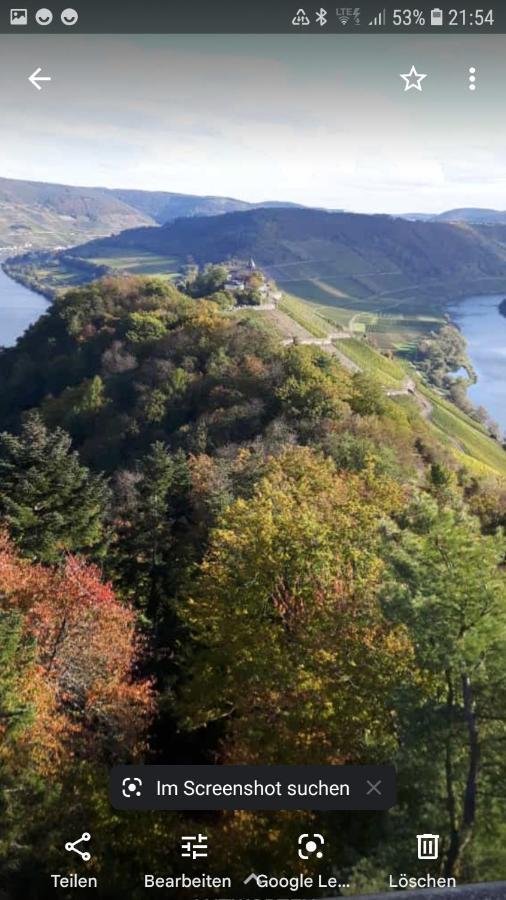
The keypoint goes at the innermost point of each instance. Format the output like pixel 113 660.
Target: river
pixel 484 329
pixel 19 307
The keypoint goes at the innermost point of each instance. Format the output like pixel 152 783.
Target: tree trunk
pixel 462 836
pixel 469 810
pixel 453 847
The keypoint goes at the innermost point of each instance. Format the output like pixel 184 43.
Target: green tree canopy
pixel 446 584
pixel 293 651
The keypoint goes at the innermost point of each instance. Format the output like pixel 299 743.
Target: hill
pixel 474 215
pixel 338 256
pixel 43 216
pixel 186 499
pixel 39 215
pixel 164 207
pixel 390 276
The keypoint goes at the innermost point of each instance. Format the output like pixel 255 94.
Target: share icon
pixel 72 846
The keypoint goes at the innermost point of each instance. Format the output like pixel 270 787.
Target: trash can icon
pixel 428 846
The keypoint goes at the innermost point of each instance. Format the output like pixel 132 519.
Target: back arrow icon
pixel 35 77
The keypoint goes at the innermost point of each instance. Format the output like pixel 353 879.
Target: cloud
pixel 323 121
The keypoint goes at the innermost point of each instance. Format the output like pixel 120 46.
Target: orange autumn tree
pixel 73 678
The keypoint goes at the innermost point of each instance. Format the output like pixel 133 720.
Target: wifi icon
pixel 380 19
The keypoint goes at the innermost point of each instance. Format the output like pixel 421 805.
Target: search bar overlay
pixel 252 787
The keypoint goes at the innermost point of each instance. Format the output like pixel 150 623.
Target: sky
pixel 322 120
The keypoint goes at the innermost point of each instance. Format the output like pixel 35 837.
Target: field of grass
pixel 305 315
pixel 398 320
pixel 401 332
pixel 337 317
pixel 258 320
pixel 326 292
pixel 52 273
pixel 139 264
pixel 468 439
pixel 389 372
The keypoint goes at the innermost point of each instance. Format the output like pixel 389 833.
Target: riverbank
pixel 20 307
pixel 23 278
pixel 484 328
pixel 37 272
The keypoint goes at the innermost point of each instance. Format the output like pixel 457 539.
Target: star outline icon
pixel 413 79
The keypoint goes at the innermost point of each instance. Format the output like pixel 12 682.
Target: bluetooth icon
pixel 321 17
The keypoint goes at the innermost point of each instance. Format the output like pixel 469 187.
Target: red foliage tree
pixel 80 685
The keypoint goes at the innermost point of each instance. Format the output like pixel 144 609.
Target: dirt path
pixel 293 331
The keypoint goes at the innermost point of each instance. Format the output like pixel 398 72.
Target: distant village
pixel 240 280
pixel 244 284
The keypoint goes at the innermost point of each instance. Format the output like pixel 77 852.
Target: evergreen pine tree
pixel 49 501
pixel 149 551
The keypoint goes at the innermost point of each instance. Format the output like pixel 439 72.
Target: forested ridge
pixel 219 549
pixel 310 237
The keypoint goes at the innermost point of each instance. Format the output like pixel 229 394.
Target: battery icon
pixel 436 17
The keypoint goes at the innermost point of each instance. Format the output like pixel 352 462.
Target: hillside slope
pixel 37 215
pixel 342 255
pixel 165 206
pixel 474 215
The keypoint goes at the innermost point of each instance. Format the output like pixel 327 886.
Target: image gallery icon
pixel 19 17
pixel 193 846
pixel 428 846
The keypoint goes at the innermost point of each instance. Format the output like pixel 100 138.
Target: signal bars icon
pixel 380 19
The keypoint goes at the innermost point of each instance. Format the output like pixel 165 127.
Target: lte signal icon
pixel 348 15
pixel 428 846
